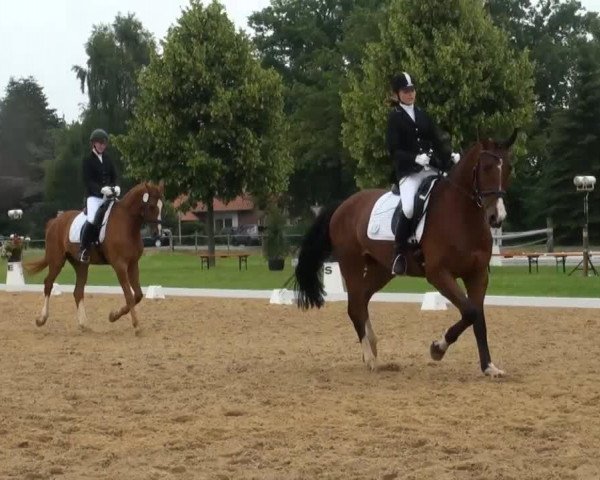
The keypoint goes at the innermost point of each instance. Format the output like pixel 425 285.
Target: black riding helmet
pixel 99 135
pixel 401 82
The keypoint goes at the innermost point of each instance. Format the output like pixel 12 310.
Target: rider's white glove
pixel 117 190
pixel 106 191
pixel 422 159
pixel 455 157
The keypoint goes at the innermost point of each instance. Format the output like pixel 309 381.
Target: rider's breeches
pixel 408 189
pixel 93 204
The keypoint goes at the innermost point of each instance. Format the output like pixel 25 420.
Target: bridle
pixel 476 194
pixel 479 194
pixel 146 212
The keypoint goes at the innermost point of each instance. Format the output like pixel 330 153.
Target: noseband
pixel 478 194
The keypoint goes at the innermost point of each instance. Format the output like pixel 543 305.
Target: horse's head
pixel 490 165
pixel 145 201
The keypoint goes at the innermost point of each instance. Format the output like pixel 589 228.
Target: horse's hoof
pixel 436 352
pixel 112 317
pixel 137 331
pixel 372 365
pixel 41 321
pixel 493 372
pixel 83 328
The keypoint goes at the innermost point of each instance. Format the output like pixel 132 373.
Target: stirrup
pixel 399 266
pixel 84 256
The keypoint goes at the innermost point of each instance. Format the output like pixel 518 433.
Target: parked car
pixel 162 240
pixel 247 235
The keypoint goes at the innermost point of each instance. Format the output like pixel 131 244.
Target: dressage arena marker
pixel 14 275
pixel 56 290
pixel 155 292
pixel 492 300
pixel 332 278
pixel 282 296
pixel 434 301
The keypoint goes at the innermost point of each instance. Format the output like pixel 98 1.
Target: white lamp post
pixel 585 183
pixel 14 267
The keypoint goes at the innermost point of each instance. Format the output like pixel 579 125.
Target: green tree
pixel 209 119
pixel 117 53
pixel 574 149
pixel 27 127
pixel 63 183
pixel 313 44
pixel 551 30
pixel 470 80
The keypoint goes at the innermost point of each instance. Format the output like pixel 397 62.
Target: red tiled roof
pixel 240 203
pixel 188 217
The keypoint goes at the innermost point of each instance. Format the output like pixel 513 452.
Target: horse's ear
pixel 161 186
pixel 511 140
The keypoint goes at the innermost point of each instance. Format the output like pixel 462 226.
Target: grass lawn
pixel 183 270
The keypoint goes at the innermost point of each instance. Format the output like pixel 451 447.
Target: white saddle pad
pixel 79 221
pixel 380 221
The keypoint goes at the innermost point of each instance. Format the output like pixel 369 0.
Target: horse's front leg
pixel 471 310
pixel 476 289
pixel 122 274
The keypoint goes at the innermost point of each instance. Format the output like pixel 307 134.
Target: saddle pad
pixel 380 221
pixel 79 221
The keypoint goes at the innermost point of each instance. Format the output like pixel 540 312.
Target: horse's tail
pixel 316 247
pixel 35 266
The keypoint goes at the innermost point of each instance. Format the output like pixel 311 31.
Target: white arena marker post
pixel 155 292
pixel 56 290
pixel 14 275
pixel 434 301
pixel 282 296
pixel 332 278
pixel 496 259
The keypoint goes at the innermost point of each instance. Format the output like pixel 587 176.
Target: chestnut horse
pixel 456 243
pixel 121 248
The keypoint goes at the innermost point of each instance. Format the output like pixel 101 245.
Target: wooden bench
pixel 533 258
pixel 242 258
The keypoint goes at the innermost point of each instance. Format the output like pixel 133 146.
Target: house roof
pixel 240 203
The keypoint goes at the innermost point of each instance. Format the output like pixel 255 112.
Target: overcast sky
pixel 45 38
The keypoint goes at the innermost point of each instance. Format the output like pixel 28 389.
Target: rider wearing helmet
pixel 100 181
pixel 411 137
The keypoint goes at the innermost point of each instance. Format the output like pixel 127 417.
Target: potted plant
pixel 12 249
pixel 274 243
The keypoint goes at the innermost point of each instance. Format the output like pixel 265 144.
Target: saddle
pixel 100 220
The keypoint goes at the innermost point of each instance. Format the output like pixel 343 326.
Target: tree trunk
pixel 210 229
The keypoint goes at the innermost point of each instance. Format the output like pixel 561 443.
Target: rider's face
pixel 407 95
pixel 99 146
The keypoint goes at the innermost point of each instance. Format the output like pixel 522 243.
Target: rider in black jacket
pixel 411 137
pixel 100 181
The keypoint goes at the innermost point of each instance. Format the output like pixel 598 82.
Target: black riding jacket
pixel 98 174
pixel 406 139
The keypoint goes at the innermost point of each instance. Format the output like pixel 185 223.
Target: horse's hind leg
pixel 54 269
pixel 361 286
pixel 375 277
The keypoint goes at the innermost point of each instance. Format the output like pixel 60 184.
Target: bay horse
pixel 122 248
pixel 456 243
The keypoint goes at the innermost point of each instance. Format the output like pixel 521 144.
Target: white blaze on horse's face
pixel 500 207
pixel 496 211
